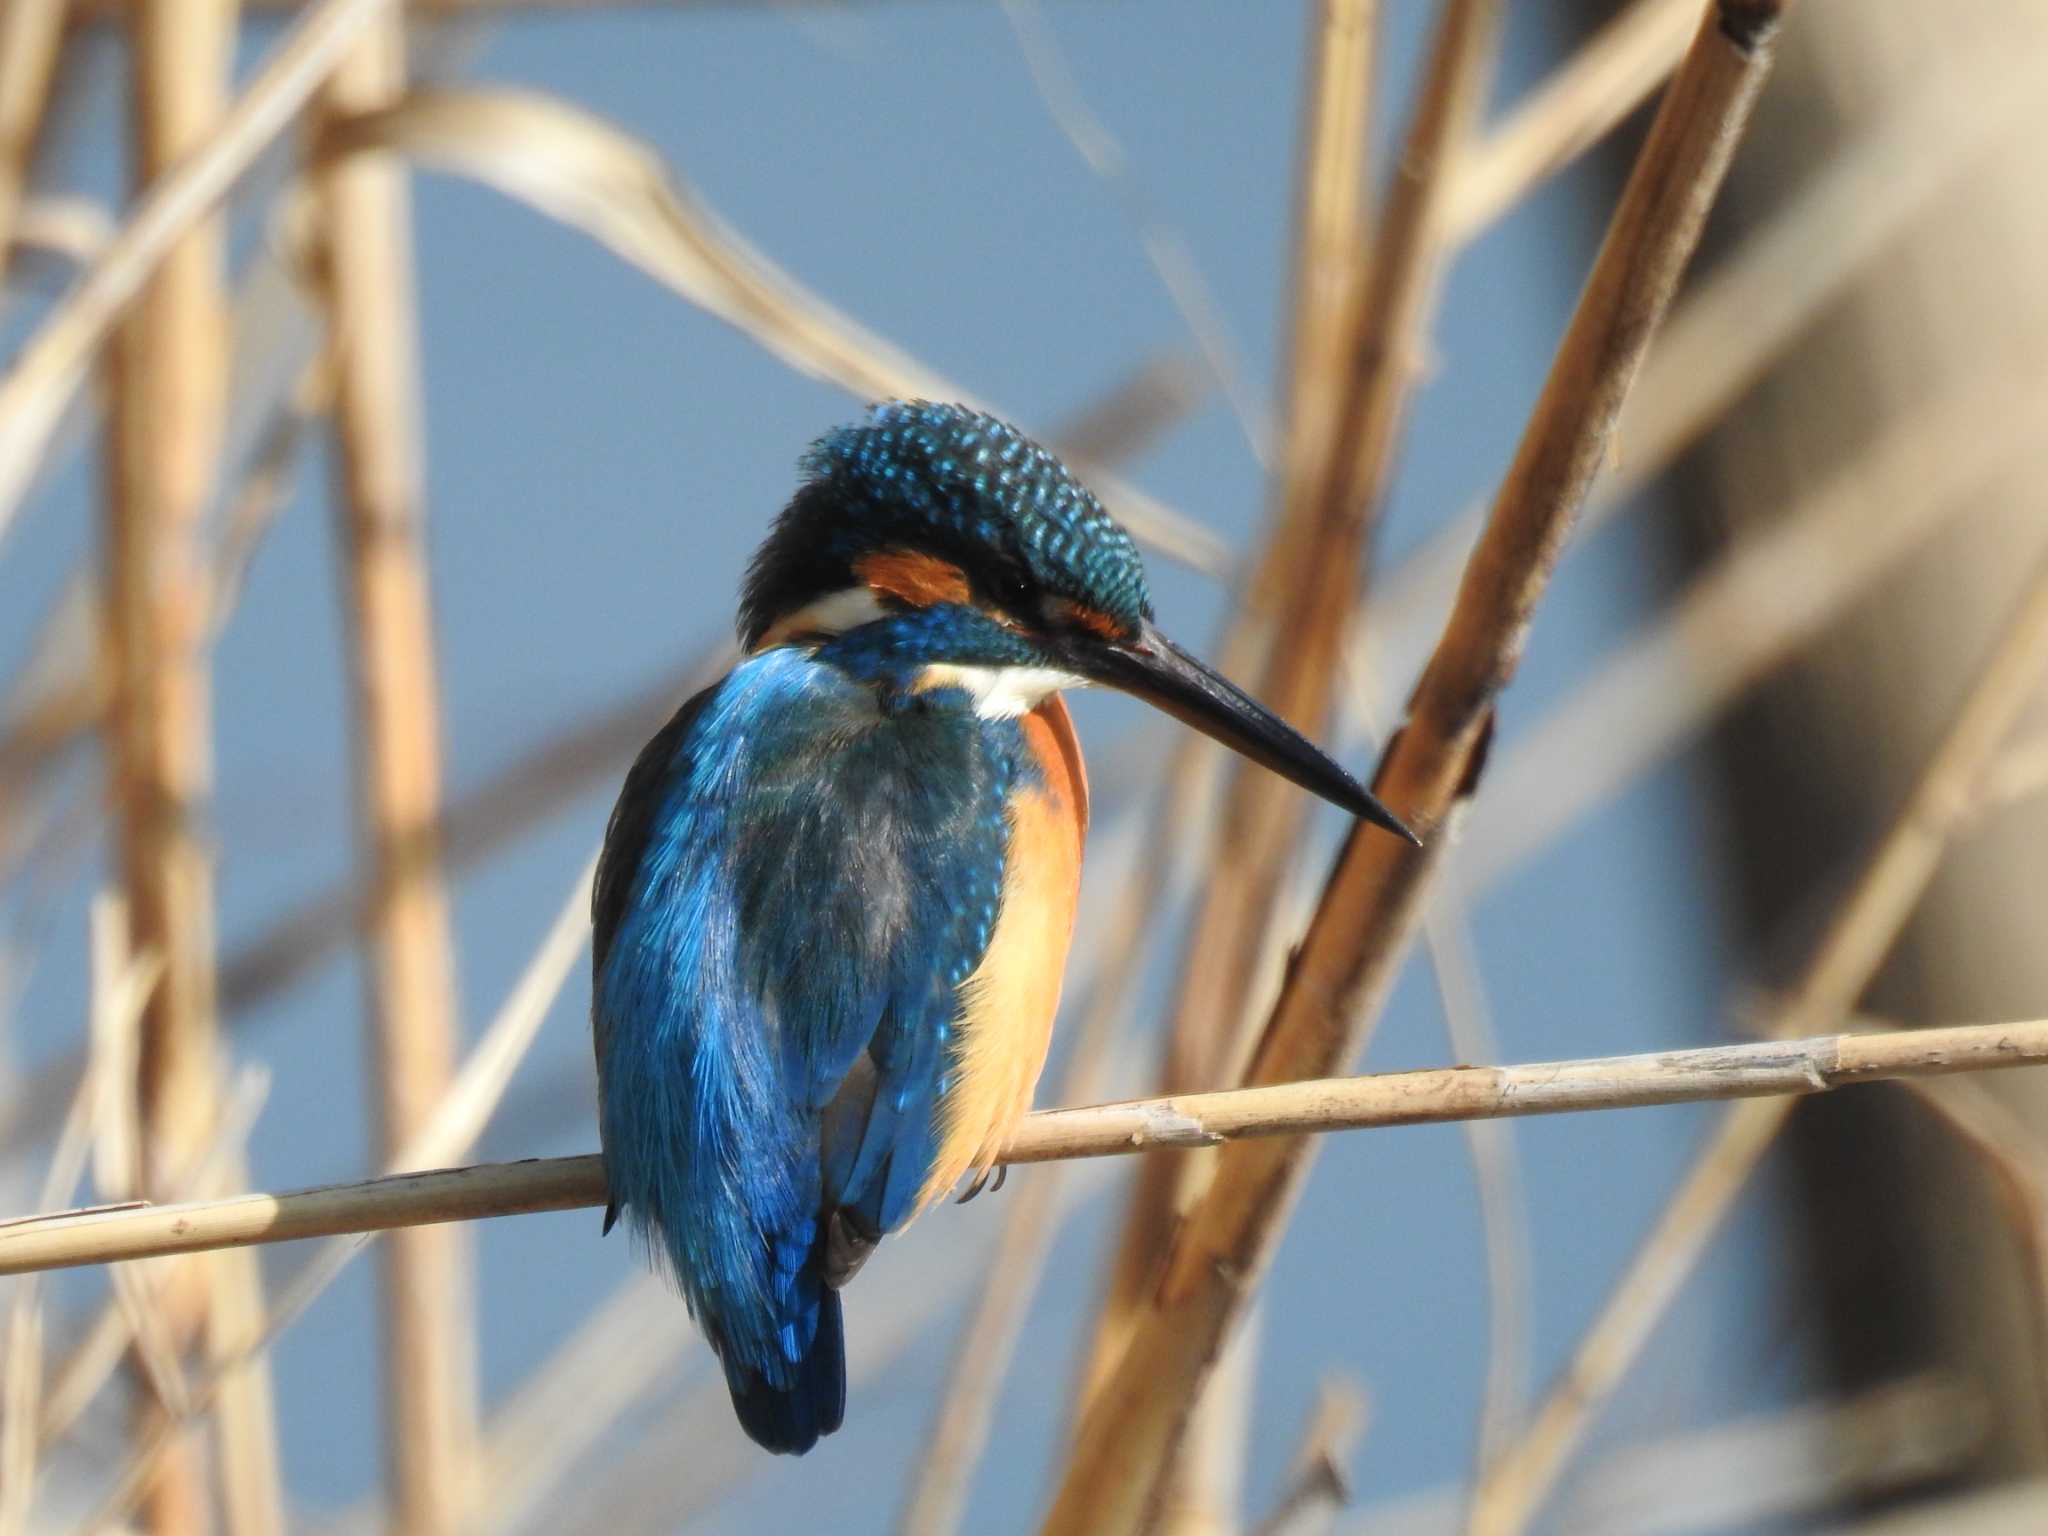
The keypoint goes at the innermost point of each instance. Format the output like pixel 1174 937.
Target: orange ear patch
pixel 919 580
pixel 1093 619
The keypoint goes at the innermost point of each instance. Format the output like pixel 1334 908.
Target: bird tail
pixel 789 1420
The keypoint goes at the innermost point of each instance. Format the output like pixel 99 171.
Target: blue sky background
pixel 602 458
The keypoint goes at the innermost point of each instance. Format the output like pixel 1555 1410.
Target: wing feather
pixel 793 886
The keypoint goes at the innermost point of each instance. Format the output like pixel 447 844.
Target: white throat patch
pixel 1001 693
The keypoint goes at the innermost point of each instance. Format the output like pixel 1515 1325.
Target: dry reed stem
pixel 2017 1158
pixel 45 375
pixel 652 1489
pixel 1862 932
pixel 131 1314
pixel 1308 586
pixel 1349 957
pixel 1359 319
pixel 1768 1072
pixel 61 691
pixel 1814 1461
pixel 1759 300
pixel 1490 1148
pixel 428 1289
pixel 251 1477
pixel 459 1120
pixel 2020 774
pixel 1814 1456
pixel 1319 1481
pixel 121 988
pixel 1328 258
pixel 495 813
pixel 1155 397
pixel 168 382
pixel 141 1292
pixel 1496 1175
pixel 563 1408
pixel 1581 102
pixel 31 32
pixel 66 688
pixel 101 10
pixel 1329 234
pixel 591 175
pixel 69 229
pixel 1347 395
pixel 1740 619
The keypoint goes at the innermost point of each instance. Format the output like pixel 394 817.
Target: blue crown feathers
pixel 954 482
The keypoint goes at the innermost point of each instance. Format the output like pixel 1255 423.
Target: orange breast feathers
pixel 1010 1000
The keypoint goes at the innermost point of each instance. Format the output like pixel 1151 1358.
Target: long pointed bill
pixel 1151 667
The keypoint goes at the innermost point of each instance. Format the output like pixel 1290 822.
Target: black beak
pixel 1151 667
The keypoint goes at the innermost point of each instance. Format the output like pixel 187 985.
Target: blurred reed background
pixel 357 525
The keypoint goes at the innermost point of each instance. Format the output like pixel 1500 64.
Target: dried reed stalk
pixel 1347 961
pixel 2016 1156
pixel 1582 101
pixel 121 987
pixel 487 818
pixel 1769 1072
pixel 1307 585
pixel 61 691
pixel 170 361
pixel 616 1357
pixel 1348 396
pixel 1496 1176
pixel 593 176
pixel 459 1119
pixel 1318 1481
pixel 48 371
pixel 94 10
pixel 428 1290
pixel 1760 299
pixel 31 32
pixel 62 228
pixel 1333 315
pixel 1862 932
pixel 1752 609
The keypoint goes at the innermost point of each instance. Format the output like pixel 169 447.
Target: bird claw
pixel 999 1172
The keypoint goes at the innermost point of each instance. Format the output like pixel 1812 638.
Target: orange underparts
pixel 920 580
pixel 1011 998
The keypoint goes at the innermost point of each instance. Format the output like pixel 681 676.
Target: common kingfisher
pixel 836 893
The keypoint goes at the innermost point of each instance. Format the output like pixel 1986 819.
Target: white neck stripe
pixel 1000 693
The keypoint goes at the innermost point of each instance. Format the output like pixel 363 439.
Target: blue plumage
pixel 809 865
pixel 803 865
pixel 955 482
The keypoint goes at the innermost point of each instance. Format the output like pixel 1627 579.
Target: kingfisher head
pixel 934 548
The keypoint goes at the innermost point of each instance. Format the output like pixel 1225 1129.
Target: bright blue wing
pixel 793 885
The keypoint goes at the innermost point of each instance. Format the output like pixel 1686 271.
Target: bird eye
pixel 1013 588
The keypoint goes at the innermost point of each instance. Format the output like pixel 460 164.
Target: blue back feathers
pixel 953 482
pixel 802 868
